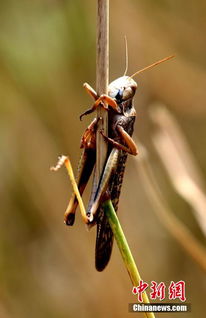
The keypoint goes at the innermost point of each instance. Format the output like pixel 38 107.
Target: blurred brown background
pixel 47 51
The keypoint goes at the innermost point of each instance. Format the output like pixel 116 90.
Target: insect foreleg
pixel 104 100
pixel 128 140
pixel 90 91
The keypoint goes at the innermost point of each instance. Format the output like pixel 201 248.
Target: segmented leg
pixel 104 100
pixel 88 139
pixel 86 165
pixel 128 140
pixel 130 147
pixel 85 168
pixel 90 91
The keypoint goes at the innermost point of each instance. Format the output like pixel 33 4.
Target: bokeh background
pixel 47 51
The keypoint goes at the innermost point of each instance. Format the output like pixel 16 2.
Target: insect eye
pixel 127 93
pixel 119 94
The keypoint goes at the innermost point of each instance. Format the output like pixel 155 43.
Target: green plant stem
pixel 125 250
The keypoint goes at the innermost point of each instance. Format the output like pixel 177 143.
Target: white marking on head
pixel 122 88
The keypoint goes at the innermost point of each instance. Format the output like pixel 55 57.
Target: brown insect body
pixel 121 118
pixel 125 119
pixel 127 123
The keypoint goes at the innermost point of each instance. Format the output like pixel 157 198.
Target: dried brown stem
pixel 102 73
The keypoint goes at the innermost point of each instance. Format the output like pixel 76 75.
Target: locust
pixel 121 118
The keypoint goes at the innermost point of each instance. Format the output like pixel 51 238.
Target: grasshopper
pixel 121 119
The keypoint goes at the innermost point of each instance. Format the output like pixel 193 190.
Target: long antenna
pixel 152 65
pixel 126 56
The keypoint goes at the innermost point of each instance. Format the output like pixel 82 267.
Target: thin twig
pixel 102 74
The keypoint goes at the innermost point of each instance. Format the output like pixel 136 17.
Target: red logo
pixel 158 291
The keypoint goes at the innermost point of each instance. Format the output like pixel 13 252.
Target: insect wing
pixel 104 241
